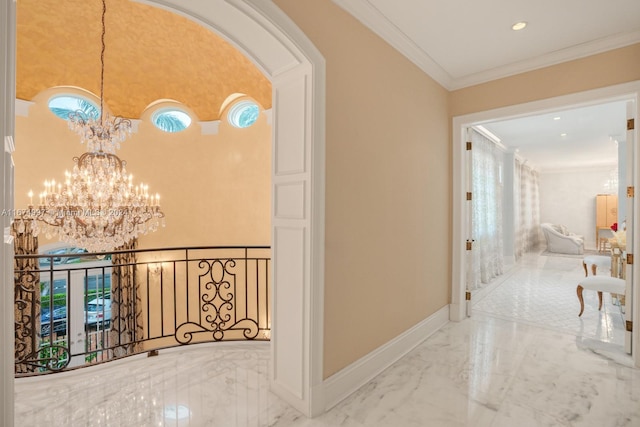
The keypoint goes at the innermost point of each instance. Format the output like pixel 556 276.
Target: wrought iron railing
pixel 78 309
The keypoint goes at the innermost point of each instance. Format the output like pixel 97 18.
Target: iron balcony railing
pixel 78 309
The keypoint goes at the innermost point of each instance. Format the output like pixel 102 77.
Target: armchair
pixel 560 240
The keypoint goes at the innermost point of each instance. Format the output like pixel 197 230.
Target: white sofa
pixel 560 240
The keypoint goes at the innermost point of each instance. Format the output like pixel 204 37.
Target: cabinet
pixel 606 212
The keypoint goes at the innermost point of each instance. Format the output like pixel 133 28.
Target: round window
pixel 243 114
pixel 171 120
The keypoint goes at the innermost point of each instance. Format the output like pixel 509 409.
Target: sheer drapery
pixel 126 304
pixel 487 254
pixel 27 295
pixel 528 202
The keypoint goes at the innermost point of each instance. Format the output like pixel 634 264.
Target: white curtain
pixel 487 253
pixel 528 203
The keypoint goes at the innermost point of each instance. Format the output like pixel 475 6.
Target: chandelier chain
pixel 102 36
pixel 97 206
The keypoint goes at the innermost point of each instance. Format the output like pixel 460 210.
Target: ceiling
pixel 578 137
pixel 461 43
pixel 151 54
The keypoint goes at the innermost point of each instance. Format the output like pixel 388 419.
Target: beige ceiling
pixel 151 54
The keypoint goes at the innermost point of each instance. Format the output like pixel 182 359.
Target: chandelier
pixel 97 207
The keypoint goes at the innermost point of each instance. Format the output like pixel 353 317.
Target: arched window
pixel 243 113
pixel 171 119
pixel 63 105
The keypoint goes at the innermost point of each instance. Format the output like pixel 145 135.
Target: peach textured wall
pixel 387 191
pixel 592 72
pixel 214 189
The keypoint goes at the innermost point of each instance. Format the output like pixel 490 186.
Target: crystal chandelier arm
pixel 98 208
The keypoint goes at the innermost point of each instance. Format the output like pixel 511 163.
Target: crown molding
pixel 375 20
pixel 553 58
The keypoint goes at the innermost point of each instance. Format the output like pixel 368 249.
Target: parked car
pixel 98 312
pixel 59 321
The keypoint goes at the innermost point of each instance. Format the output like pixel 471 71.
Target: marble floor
pixel 488 370
pixel 541 291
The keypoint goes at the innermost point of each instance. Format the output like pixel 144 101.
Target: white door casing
pixel 632 302
pixel 7 106
pixel 260 30
pixel 468 265
pixel 627 91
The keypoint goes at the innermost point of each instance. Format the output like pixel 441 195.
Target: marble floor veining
pixel 488 370
pixel 541 291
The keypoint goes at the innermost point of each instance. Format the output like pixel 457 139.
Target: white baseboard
pixel 341 384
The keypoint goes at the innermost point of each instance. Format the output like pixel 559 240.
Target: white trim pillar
pixel 7 114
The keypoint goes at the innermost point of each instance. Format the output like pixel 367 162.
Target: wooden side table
pixel 603 238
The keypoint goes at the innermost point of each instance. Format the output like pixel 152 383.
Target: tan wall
pixel 605 69
pixel 214 189
pixel 387 202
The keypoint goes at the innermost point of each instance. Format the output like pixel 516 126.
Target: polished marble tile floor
pixel 541 291
pixel 487 370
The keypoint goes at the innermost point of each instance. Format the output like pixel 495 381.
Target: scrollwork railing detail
pixel 27 319
pixel 99 308
pixel 54 357
pixel 217 282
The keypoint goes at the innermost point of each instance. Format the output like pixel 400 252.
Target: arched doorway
pixel 296 69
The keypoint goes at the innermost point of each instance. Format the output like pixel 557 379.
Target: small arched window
pixel 63 105
pixel 243 114
pixel 171 119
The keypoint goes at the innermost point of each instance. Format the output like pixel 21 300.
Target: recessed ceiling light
pixel 563 134
pixel 519 26
pixel 556 118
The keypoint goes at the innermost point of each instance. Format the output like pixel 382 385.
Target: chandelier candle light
pixel 97 207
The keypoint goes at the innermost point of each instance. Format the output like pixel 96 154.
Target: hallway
pixel 488 370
